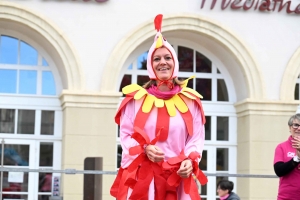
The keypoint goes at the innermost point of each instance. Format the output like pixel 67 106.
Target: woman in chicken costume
pixel 161 132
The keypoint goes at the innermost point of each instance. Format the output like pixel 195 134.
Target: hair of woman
pixel 226 185
pixel 292 118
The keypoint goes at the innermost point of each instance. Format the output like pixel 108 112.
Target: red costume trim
pixel 174 179
pixel 128 98
pixel 142 171
pixel 141 118
pixel 163 121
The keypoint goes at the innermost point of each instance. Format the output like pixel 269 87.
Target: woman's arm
pixel 126 131
pixel 195 143
pixel 283 168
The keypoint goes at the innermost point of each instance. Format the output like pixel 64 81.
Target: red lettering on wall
pixel 261 5
pixel 213 4
pixel 297 10
pixel 265 6
pixel 224 5
pixel 235 5
pixel 247 6
pixel 288 10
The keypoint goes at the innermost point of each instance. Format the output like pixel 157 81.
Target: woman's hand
pixel 296 143
pixel 186 168
pixel 154 153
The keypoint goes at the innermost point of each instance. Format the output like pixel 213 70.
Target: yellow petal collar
pixel 171 104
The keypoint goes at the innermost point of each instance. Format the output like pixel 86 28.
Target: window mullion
pixel 18 81
pixel 19 52
pixel 16 120
pixel 134 72
pixel 213 128
pixel 37 126
pixel 39 82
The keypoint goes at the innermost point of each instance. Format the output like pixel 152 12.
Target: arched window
pixel 214 84
pixel 30 116
pixel 23 70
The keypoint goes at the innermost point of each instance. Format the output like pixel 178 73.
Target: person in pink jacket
pixel 161 132
pixel 287 162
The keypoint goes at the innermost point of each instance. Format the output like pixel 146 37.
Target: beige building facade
pixel 90 45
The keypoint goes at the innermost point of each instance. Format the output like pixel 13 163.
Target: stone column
pixel 261 126
pixel 89 130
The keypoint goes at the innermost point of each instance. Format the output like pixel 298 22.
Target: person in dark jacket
pixel 224 190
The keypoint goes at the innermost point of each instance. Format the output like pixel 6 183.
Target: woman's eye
pixel 156 59
pixel 168 58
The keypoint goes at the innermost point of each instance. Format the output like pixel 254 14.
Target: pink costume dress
pixel 175 128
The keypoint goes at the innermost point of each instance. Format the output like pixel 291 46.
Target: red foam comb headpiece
pixel 157 22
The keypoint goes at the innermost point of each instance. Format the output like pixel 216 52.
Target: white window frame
pixel 37 102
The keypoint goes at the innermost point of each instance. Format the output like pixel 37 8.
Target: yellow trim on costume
pixel 130 88
pixel 159 103
pixel 194 92
pixel 186 81
pixel 148 103
pixel 171 104
pixel 180 104
pixel 140 94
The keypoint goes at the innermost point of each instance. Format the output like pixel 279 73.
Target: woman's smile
pixel 163 64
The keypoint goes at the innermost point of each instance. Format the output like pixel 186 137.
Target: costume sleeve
pixel 196 141
pixel 126 130
pixel 282 168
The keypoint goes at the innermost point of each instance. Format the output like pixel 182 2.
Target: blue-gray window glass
pixel 23 81
pixel 8 81
pixel 130 67
pixel 26 122
pixel 28 55
pixel 297 96
pixel 44 63
pixel 46 154
pixel 16 155
pixel 222 93
pixel 48 83
pixel 8 50
pixel 28 82
pixel 7 121
pixel 222 161
pixel 47 122
pixel 127 80
pixel 185 59
pixel 141 80
pixel 142 61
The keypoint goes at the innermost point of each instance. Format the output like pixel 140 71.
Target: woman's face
pixel 295 128
pixel 221 192
pixel 162 63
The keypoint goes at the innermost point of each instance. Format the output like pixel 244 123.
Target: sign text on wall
pixel 261 5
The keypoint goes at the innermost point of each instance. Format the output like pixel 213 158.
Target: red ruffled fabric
pixel 142 171
pixel 174 179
